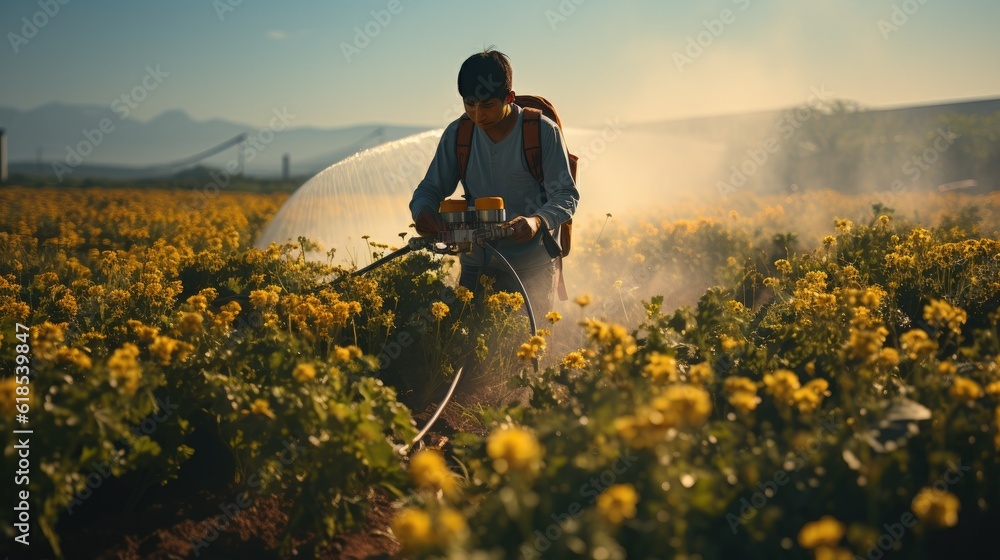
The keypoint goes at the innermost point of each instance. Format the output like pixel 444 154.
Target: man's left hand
pixel 523 228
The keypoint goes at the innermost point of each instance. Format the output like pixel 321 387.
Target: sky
pixel 339 63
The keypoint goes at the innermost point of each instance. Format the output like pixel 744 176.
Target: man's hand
pixel 428 224
pixel 522 228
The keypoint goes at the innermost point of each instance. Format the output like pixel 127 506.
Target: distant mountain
pixel 71 134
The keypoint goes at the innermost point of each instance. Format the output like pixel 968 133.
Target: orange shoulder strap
pixel 463 145
pixel 531 136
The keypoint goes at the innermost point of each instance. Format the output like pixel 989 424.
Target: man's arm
pixel 441 179
pixel 560 189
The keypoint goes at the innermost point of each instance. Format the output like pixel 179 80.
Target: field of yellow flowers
pixel 805 377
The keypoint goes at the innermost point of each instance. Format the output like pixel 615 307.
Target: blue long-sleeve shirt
pixel 499 169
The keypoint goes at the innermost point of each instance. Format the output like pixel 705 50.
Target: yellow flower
pixel 872 298
pixel 428 469
pixel 262 407
pixel 938 508
pixel 191 322
pixel 125 369
pixel 617 503
pixel 833 553
pixel 198 303
pixel 993 390
pixel 583 301
pixel 463 294
pixel 917 344
pixel 47 338
pixel 946 368
pixel 8 396
pixel 941 314
pixel 888 357
pixel 865 344
pixel 67 304
pixel 966 389
pixel 782 385
pixel 736 384
pixel 439 310
pixel 304 372
pixel 343 354
pixel 74 356
pixel 744 402
pixel 700 374
pixel 266 297
pixel 162 348
pixel 514 449
pixel 553 317
pixel 526 352
pixel 414 529
pixel 451 525
pixel 682 404
pixel 144 332
pixel 537 342
pixel 783 266
pixel 829 241
pixel 808 398
pixel 661 367
pixel 501 300
pixel 574 360
pixel 728 343
pixel 826 531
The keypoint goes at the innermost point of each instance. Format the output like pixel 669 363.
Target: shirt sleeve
pixel 441 179
pixel 560 188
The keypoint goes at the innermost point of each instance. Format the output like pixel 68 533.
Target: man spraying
pixel 493 150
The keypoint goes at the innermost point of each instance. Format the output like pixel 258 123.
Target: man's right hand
pixel 428 224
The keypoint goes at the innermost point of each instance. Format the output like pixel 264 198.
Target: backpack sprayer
pixel 482 224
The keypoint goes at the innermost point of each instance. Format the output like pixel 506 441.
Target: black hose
pixel 383 260
pixel 437 413
pixel 527 302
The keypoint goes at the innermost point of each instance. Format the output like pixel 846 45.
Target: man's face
pixel 489 112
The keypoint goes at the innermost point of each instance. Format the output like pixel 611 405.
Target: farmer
pixel 497 167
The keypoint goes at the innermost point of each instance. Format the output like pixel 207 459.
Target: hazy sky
pixel 335 63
